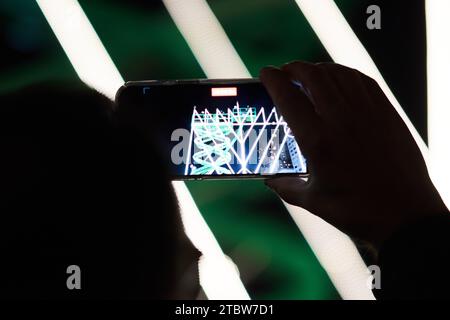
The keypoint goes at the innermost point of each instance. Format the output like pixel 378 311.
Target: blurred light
pixel 206 38
pixel 219 277
pixel 345 48
pixel 336 253
pixel 225 286
pixel 438 77
pixel 94 67
pixel 82 46
pixel 219 59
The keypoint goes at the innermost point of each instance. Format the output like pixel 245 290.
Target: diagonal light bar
pixel 219 276
pixel 94 67
pixel 82 46
pixel 345 48
pixel 336 253
pixel 438 78
pixel 213 50
pixel 206 38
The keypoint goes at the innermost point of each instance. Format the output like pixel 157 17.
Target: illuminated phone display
pixel 209 130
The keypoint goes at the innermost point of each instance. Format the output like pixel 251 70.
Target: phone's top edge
pixel 190 81
pixel 136 83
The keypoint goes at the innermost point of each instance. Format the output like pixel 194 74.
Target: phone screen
pixel 226 129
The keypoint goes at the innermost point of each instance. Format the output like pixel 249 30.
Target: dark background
pixel 250 223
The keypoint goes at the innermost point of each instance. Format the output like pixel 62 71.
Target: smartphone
pixel 216 129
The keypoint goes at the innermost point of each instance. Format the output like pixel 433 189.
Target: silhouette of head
pixel 78 189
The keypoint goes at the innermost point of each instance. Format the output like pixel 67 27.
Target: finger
pixel 327 99
pixel 356 85
pixel 349 83
pixel 295 107
pixel 377 95
pixel 355 113
pixel 293 190
pixel 401 137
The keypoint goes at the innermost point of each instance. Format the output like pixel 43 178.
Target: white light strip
pixel 82 45
pixel 345 48
pixel 219 59
pixel 336 253
pixel 206 38
pixel 218 276
pixel 438 78
pixel 94 67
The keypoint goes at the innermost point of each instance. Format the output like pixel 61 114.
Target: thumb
pixel 293 190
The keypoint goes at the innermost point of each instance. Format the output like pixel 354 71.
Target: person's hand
pixel 367 174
